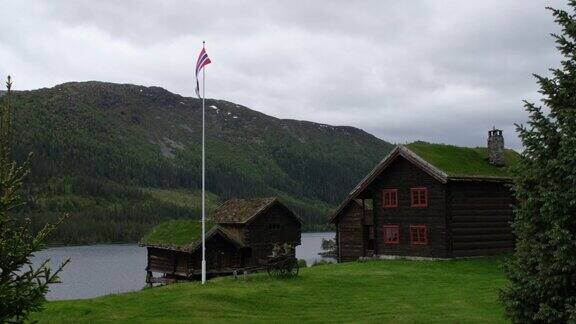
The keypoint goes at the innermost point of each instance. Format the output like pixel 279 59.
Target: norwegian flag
pixel 203 60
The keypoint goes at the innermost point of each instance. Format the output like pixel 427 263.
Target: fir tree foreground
pixel 542 272
pixel 22 288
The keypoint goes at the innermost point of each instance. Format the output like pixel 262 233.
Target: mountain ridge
pixel 136 137
pixel 77 84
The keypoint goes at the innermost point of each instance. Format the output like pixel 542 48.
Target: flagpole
pixel 203 176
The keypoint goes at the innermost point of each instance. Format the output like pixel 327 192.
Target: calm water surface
pixel 97 270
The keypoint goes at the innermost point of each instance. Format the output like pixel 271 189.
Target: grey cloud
pixel 441 71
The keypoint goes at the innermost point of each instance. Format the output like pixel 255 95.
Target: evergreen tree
pixel 542 272
pixel 22 288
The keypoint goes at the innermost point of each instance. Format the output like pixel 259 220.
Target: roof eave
pixel 216 229
pixel 424 165
pixel 479 179
pixel 260 211
pixel 164 247
pixel 399 150
pixel 270 204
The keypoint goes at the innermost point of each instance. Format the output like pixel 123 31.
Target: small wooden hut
pixel 239 234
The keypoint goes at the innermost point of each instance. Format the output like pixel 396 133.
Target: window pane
pixel 419 197
pixel 391 234
pixel 390 198
pixel 418 234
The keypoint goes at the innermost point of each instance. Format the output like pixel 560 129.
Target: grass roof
pixel 240 210
pixel 458 161
pixel 177 233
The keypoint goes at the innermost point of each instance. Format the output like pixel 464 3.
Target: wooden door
pixel 368 234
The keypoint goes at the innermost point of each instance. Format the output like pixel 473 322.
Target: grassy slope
pixel 184 198
pixel 462 161
pixel 463 291
pixel 147 137
pixel 133 211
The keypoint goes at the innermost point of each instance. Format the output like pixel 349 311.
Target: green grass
pixel 176 232
pixel 184 198
pixel 104 211
pixel 462 161
pixel 462 291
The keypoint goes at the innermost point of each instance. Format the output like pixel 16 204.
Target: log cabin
pixel 239 234
pixel 430 201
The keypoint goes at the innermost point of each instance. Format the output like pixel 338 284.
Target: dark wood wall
pixel 480 215
pixel 236 230
pixel 349 234
pixel 403 175
pixel 274 226
pixel 221 256
pixel 463 218
pixel 168 261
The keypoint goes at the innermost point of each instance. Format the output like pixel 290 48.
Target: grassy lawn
pixel 463 291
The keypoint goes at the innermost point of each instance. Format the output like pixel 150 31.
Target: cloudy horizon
pixel 438 71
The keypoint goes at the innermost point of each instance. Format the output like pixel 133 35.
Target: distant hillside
pixel 121 157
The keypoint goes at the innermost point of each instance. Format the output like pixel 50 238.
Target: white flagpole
pixel 203 176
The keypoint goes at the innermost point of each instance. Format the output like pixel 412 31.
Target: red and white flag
pixel 203 60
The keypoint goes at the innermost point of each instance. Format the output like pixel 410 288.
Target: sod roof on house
pixel 444 163
pixel 180 234
pixel 185 234
pixel 458 161
pixel 241 210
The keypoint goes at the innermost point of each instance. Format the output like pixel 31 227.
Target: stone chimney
pixel 496 147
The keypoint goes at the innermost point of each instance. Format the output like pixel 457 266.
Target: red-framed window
pixel 391 234
pixel 418 235
pixel 390 198
pixel 419 197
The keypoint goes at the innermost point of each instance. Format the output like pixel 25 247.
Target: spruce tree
pixel 542 271
pixel 22 287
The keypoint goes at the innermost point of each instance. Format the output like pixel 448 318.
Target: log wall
pixel 274 226
pixel 480 214
pixel 349 233
pixel 403 175
pixel 221 255
pixel 169 262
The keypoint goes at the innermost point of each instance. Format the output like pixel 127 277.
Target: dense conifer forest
pixel 120 158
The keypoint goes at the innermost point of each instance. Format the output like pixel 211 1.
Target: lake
pixel 96 270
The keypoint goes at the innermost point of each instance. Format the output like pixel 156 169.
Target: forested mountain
pixel 118 158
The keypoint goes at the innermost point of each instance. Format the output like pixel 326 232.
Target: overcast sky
pixel 440 71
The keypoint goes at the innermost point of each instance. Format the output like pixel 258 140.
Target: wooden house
pixel 238 234
pixel 432 201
